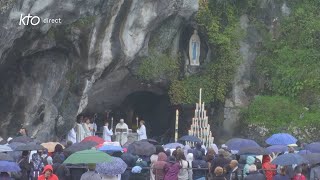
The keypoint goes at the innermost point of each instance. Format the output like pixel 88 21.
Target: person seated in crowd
pixel 282 175
pixel 298 174
pixel 218 174
pixel 234 172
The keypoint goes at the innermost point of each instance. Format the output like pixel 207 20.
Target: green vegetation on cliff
pixel 289 63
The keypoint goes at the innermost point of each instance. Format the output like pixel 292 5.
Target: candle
pixel 200 96
pixel 176 130
pixel 137 118
pixel 111 122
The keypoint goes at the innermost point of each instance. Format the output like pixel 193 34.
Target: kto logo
pixel 33 20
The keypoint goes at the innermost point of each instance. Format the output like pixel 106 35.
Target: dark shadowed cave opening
pixel 154 109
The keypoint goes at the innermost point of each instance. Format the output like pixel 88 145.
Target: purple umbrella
pixel 6 166
pixel 108 148
pixel 238 143
pixel 281 139
pixel 173 145
pixel 277 148
pixel 313 147
pixel 114 167
pixel 313 158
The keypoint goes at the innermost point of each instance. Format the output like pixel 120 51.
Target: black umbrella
pixel 80 147
pixel 141 148
pixel 22 139
pixel 5 157
pixel 253 151
pixel 30 147
pixel 151 141
pixel 313 158
pixel 190 138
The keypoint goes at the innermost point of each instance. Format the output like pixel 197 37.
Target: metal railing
pixel 146 171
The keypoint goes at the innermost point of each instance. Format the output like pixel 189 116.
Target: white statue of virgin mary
pixel 194 49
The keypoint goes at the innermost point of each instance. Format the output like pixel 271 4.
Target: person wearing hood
pixel 254 174
pixel 189 158
pixel 250 161
pixel 158 169
pixel 47 174
pixel 268 168
pixel 221 160
pixel 315 172
pixel 198 162
pixel 171 169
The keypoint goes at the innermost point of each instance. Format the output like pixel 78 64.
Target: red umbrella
pixel 96 139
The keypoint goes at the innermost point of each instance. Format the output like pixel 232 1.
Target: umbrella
pixel 29 147
pixel 126 145
pixel 190 138
pixel 114 167
pixel 14 145
pixel 313 147
pixel 50 146
pixel 96 139
pixel 88 157
pixel 22 139
pixel 277 148
pixel 5 148
pixel 6 166
pixel 80 147
pixel 281 139
pixel 151 141
pixel 142 148
pixel 238 143
pixel 108 148
pixel 253 151
pixel 289 159
pixel 303 152
pixel 173 145
pixel 5 157
pixel 313 158
pixel 129 159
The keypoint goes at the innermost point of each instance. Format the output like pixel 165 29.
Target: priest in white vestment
pixel 122 132
pixel 107 133
pixel 142 133
pixel 80 132
pixel 72 136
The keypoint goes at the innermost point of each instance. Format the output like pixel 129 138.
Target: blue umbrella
pixel 302 152
pixel 173 145
pixel 190 138
pixel 289 159
pixel 313 147
pixel 6 166
pixel 277 148
pixel 114 167
pixel 238 143
pixel 281 139
pixel 108 148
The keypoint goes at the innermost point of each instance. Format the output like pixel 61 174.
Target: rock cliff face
pixel 50 72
